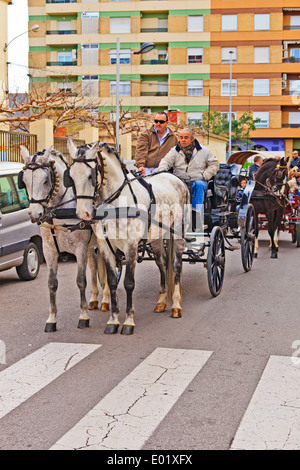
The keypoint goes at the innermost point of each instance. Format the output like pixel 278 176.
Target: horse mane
pixel 102 145
pixel 263 171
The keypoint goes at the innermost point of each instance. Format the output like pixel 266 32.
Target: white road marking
pixel 129 414
pixel 272 419
pixel 29 375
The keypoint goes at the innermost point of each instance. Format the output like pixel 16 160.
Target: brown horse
pixel 270 197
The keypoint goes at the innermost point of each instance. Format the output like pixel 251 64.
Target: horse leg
pixel 104 284
pixel 176 298
pixel 92 262
pixel 128 325
pixel 160 260
pixel 113 322
pixel 84 319
pixel 271 231
pixel 52 264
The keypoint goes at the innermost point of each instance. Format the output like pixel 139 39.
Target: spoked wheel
pixel 216 261
pixel 248 239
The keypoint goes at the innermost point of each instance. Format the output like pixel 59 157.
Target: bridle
pixel 54 180
pixel 98 169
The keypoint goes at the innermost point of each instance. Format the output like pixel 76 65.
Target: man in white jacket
pixel 191 162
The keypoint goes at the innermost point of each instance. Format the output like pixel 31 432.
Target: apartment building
pixel 189 69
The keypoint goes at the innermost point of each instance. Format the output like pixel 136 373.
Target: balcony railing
pixel 293 28
pixel 154 93
pixel 292 126
pixel 63 64
pixel 291 59
pixel 61 1
pixel 154 61
pixel 64 31
pixel 154 30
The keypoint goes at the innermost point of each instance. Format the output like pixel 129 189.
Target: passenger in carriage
pixel 253 168
pixel 191 162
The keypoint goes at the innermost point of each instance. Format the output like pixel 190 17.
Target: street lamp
pixel 230 104
pixel 146 47
pixel 34 29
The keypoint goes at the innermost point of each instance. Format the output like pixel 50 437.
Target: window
pixel 195 55
pixel 125 88
pixel 261 87
pixel 9 201
pixel 120 25
pixel 194 118
pixel 64 25
pixel 64 57
pixel 229 22
pixel 225 87
pixel 295 87
pixel 295 22
pixel 296 54
pixel 294 119
pixel 89 54
pixel 262 22
pixel 264 118
pixel 225 115
pixel 261 55
pixel 195 23
pixel 66 86
pixel 90 23
pixel 195 87
pixel 125 56
pixel 226 55
pixel 90 85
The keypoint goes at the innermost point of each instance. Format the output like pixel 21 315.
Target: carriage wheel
pixel 216 261
pixel 248 239
pixel 297 234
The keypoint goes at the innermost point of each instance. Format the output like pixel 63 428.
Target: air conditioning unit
pixel 284 76
pixel 74 54
pixel 284 84
pixel 147 110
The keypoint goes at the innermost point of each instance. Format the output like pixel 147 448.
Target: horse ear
pixel 92 151
pixel 47 154
pixel 25 154
pixel 71 147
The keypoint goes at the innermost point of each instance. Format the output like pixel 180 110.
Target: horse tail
pixel 170 266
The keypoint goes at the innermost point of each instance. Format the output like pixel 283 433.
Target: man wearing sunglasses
pixel 153 144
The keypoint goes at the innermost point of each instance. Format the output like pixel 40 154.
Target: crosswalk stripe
pixel 29 375
pixel 126 417
pixel 272 419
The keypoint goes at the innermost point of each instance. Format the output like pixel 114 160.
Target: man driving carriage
pixel 191 162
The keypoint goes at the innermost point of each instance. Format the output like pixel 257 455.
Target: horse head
pixel 272 173
pixel 41 180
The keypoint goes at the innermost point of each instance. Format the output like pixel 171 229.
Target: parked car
pixel 20 239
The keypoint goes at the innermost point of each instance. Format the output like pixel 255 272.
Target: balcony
pixel 154 30
pixel 61 1
pixel 154 93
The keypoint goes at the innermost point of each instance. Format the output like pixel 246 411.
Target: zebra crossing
pixel 129 414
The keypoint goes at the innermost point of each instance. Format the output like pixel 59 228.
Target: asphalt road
pixel 255 316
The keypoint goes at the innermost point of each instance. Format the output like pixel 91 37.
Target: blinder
pixel 68 180
pixel 21 184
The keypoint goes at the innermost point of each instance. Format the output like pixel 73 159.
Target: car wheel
pixel 30 267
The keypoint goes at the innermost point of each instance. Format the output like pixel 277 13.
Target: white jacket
pixel 202 166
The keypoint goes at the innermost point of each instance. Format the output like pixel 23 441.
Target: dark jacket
pixel 295 162
pixel 252 170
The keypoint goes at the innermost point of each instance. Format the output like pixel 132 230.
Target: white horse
pixel 101 181
pixel 42 177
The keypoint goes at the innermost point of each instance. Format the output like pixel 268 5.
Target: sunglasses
pixel 159 121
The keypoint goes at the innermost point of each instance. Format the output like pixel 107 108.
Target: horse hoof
pixel 83 324
pixel 50 327
pixel 176 312
pixel 255 255
pixel 127 330
pixel 104 307
pixel 111 329
pixel 93 305
pixel 274 255
pixel 160 307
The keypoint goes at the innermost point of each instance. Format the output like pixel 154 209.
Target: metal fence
pixel 10 143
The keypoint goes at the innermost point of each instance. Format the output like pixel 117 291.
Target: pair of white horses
pixel 97 180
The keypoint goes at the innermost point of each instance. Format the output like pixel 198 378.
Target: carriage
pixel 225 220
pixel 290 221
pixel 67 200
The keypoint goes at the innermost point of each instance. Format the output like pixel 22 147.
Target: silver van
pixel 20 239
